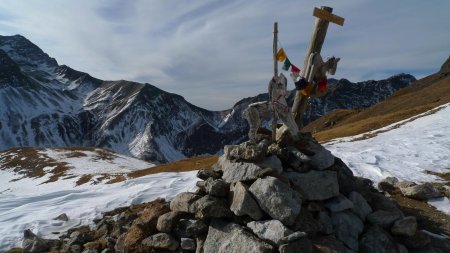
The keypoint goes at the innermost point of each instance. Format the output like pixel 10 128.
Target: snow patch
pixel 404 152
pixel 28 204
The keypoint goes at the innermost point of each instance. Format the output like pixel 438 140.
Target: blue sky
pixel 216 52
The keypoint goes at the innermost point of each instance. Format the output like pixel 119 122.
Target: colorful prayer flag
pixel 287 64
pixel 294 69
pixel 322 85
pixel 307 89
pixel 281 55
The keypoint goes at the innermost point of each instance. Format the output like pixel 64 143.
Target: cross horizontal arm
pixel 325 15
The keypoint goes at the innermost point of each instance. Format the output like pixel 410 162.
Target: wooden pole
pixel 275 74
pixel 315 46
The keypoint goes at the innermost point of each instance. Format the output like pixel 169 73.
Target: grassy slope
pixel 419 97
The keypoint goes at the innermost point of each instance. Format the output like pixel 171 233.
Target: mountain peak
pixel 25 53
pixel 445 69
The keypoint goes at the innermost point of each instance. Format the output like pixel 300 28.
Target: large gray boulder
pixel 243 203
pixel 376 240
pixel 277 199
pixel 230 237
pixel 360 205
pixel 207 173
pixel 322 158
pixel 383 218
pixel 245 171
pixel 421 192
pixel 211 207
pixel 167 221
pixel 183 202
pixel 406 226
pixel 247 151
pixel 315 185
pixel 32 243
pixel 339 203
pixel 271 230
pixel 347 227
pixel 161 241
pixel 217 187
pixel 190 228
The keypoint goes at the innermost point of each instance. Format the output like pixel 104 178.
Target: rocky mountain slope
pixel 45 104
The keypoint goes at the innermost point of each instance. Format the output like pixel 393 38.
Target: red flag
pixel 294 69
pixel 322 84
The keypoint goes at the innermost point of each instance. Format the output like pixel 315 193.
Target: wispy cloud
pixel 216 52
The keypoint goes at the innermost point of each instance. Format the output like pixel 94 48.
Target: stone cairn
pixel 288 196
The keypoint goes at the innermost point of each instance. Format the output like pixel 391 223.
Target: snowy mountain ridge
pixel 45 104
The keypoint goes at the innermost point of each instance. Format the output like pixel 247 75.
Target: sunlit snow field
pixel 404 152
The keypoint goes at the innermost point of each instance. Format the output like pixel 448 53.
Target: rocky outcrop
pixel 412 190
pixel 274 199
pixel 445 69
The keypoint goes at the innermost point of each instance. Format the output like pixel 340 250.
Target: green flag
pixel 286 64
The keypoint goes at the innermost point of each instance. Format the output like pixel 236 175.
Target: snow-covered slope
pixel 30 200
pixel 406 150
pixel 403 150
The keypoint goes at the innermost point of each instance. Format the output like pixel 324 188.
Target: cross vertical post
pixel 275 74
pixel 323 18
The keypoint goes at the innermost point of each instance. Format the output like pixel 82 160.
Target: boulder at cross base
pixel 161 241
pixel 243 203
pixel 183 202
pixel 271 194
pixel 211 207
pixel 246 151
pixel 230 237
pixel 271 230
pixel 244 171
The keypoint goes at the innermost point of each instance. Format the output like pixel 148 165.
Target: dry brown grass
pixel 28 162
pixel 84 179
pixel 427 216
pixel 421 96
pixel 33 163
pixel 195 163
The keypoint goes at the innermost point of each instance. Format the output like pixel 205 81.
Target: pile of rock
pixel 288 196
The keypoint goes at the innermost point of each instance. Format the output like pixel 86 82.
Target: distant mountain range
pixel 45 104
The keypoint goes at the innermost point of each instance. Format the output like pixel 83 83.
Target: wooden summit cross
pixel 324 17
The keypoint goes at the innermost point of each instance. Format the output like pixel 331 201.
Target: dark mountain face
pixel 49 105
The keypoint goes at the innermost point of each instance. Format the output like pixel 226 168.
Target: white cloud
pixel 216 52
